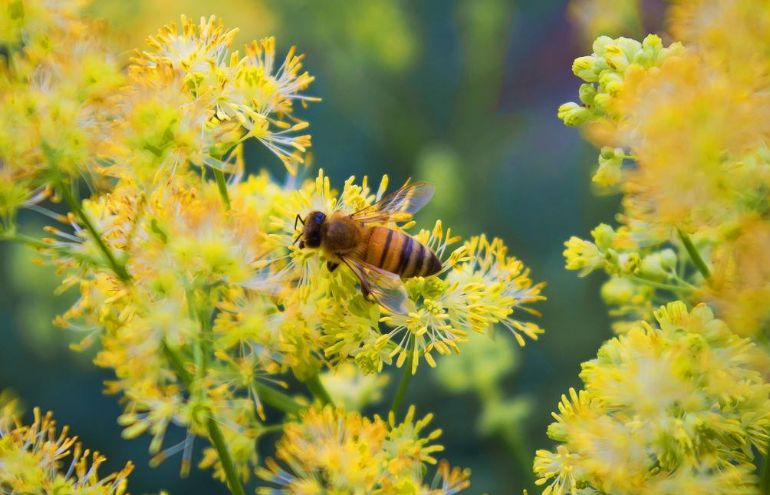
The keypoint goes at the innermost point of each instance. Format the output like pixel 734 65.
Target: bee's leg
pixel 331 266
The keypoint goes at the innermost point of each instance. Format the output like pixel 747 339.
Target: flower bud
pixel 585 68
pixel 573 114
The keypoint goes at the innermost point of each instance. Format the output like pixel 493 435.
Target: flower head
pixel 343 452
pixel 56 88
pixel 193 99
pixel 38 457
pixel 683 134
pixel 223 280
pixel 676 406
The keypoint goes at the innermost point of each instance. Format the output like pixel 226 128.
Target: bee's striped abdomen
pixel 399 253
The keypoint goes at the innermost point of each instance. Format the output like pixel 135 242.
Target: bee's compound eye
pixel 318 217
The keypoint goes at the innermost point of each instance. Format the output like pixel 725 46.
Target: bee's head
pixel 311 230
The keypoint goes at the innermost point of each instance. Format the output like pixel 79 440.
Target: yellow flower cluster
pixel 38 458
pixel 191 99
pixel 684 138
pixel 675 408
pixel 605 71
pixel 187 271
pixel 67 111
pixel 56 79
pixel 223 290
pixel 682 407
pixel 332 451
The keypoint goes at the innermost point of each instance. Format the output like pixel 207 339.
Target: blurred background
pixel 461 93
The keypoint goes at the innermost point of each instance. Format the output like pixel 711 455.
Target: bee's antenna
pixel 300 220
pixel 297 238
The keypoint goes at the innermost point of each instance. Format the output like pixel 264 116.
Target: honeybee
pixel 379 256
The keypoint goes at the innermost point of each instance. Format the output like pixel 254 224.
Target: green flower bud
pixel 610 164
pixel 618 291
pixel 603 235
pixel 601 103
pixel 573 114
pixel 657 266
pixel 585 68
pixel 587 93
pixel 616 58
pixel 629 262
pixel 600 43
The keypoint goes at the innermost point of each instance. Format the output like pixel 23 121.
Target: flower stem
pixel 694 254
pixel 764 483
pixel 74 204
pixel 218 441
pixel 317 388
pixel 215 434
pixel 659 285
pixel 25 239
pixel 403 384
pixel 176 362
pixel 222 185
pixel 277 399
pixel 521 454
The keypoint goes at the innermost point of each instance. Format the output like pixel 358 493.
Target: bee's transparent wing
pixel 385 287
pixel 397 206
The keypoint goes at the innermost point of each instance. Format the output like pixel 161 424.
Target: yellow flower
pixel 221 293
pixel 352 389
pixel 37 458
pixel 730 34
pixel 192 99
pixel 605 17
pixel 189 279
pixel 483 287
pixel 56 86
pixel 740 284
pixel 692 125
pixel 605 71
pixel 331 450
pixel 582 255
pixel 665 409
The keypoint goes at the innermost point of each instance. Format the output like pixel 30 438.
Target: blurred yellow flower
pixel 675 408
pixel 333 451
pixel 684 138
pixel 56 85
pixel 606 17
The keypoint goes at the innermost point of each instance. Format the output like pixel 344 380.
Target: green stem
pixel 277 399
pixel 659 285
pixel 206 338
pixel 218 441
pixel 28 240
pixel 222 185
pixel 403 384
pixel 317 388
pixel 521 454
pixel 215 434
pixel 694 254
pixel 76 207
pixel 176 362
pixel 764 482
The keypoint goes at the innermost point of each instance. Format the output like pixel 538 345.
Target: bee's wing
pixel 385 287
pixel 397 206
